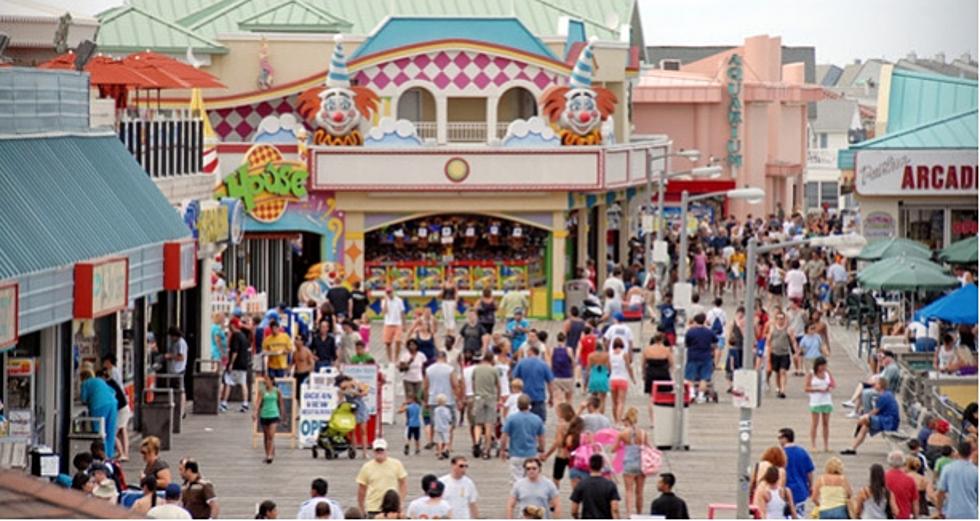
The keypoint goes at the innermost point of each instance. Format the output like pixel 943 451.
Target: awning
pixel 73 198
pixel 959 307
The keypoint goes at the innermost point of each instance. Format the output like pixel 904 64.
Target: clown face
pixel 338 115
pixel 580 114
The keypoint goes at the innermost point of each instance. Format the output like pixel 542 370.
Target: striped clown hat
pixel 337 76
pixel 581 77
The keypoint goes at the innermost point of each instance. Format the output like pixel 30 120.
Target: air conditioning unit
pixel 670 65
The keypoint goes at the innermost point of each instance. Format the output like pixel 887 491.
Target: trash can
pixel 84 430
pixel 44 461
pixel 158 413
pixel 207 386
pixel 575 292
pixel 175 382
pixel 663 413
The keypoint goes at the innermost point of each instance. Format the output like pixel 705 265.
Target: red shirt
pixel 586 348
pixel 905 491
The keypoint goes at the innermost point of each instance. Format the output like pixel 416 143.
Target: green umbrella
pixel 905 274
pixel 961 252
pixel 893 248
pixel 896 265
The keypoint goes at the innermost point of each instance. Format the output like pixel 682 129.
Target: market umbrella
pixel 896 264
pixel 905 274
pixel 959 307
pixel 961 252
pixel 102 70
pixel 187 74
pixel 894 247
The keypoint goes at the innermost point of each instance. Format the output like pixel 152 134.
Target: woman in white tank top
pixel 819 385
pixel 620 376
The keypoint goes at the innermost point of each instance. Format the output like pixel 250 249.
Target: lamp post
pixel 848 245
pixel 662 176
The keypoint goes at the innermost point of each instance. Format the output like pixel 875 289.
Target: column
pixel 492 102
pixel 558 237
pixel 204 283
pixel 442 119
pixel 602 249
pixel 582 238
pixel 353 254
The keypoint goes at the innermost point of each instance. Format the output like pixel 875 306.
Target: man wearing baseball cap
pixel 377 476
pixel 172 508
pixel 431 505
pixel 239 362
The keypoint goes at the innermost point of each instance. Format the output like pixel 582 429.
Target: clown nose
pixel 338 117
pixel 584 117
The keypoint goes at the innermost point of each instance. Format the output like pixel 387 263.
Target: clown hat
pixel 337 76
pixel 581 77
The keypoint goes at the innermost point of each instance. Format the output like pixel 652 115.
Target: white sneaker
pixel 701 398
pixel 849 404
pixel 853 415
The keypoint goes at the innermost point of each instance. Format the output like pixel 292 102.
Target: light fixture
pixel 751 195
pixel 847 245
pixel 692 154
pixel 84 53
pixel 706 172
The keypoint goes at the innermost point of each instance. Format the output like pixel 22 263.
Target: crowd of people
pixel 495 377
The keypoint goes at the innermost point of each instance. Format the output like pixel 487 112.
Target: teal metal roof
pixel 294 16
pixel 957 131
pixel 209 18
pixel 131 29
pixel 73 198
pixel 401 32
pixel 916 99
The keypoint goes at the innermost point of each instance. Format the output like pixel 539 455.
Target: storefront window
pixel 963 224
pixel 812 193
pixel 924 225
pixel 828 194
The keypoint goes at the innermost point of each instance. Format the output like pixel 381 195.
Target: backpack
pixel 718 327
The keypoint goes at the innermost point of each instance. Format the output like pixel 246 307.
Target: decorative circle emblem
pixel 457 169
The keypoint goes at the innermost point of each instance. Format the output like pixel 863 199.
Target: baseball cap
pixel 237 312
pixel 619 316
pixel 172 491
pixel 98 467
pixel 942 426
pixel 436 489
pixel 379 444
pixel 235 322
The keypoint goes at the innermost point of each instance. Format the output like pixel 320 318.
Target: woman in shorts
pixel 620 376
pixel 267 411
pixel 819 385
pixel 598 370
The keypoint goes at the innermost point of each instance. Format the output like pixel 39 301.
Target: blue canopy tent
pixel 959 307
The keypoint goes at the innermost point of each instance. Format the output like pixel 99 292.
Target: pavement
pixel 706 474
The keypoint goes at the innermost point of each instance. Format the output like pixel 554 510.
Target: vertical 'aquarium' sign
pixel 734 74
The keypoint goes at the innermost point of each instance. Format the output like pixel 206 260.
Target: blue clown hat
pixel 581 77
pixel 337 75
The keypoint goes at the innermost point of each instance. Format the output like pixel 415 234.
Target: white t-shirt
pixel 795 279
pixel 694 310
pixel 393 315
pixel 468 380
pixel 837 273
pixel 459 493
pixel 308 509
pixel 168 511
pixel 415 364
pixel 715 313
pixel 619 289
pixel 440 382
pixel 503 370
pixel 619 331
pixel 422 508
pixel 511 404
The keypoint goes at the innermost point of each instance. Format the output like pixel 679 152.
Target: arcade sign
pixel 9 292
pixel 101 287
pixel 916 172
pixel 179 265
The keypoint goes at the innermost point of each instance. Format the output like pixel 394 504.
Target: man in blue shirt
pixel 517 329
pixel 668 319
pixel 700 342
pixel 522 437
pixel 957 486
pixel 537 377
pixel 883 418
pixel 799 469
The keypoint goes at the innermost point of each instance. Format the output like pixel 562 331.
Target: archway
pixel 516 103
pixel 418 105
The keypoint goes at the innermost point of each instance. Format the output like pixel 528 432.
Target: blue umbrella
pixel 959 307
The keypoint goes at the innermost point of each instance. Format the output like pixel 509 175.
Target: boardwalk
pixel 706 473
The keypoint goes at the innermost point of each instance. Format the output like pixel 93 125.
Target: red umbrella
pixel 186 73
pixel 103 71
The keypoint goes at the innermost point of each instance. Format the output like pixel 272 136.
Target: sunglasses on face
pixel 463 466
pixel 530 468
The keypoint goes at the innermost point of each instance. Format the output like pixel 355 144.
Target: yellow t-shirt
pixel 278 346
pixel 380 478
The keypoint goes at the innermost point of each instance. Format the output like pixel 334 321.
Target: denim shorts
pixel 697 371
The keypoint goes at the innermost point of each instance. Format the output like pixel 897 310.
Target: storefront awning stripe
pixel 71 198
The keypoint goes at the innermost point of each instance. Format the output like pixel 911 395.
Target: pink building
pixel 742 107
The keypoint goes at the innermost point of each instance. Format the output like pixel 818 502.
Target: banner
pixel 367 374
pixel 317 401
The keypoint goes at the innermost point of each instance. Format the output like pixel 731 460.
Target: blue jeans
pixel 835 513
pixel 540 409
pixel 277 373
pixel 699 370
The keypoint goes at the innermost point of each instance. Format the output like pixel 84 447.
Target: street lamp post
pixel 846 244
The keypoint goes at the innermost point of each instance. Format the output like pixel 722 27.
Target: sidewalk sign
pixel 317 401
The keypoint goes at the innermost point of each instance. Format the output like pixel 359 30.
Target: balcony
pixel 460 131
pixel 822 157
pixel 166 143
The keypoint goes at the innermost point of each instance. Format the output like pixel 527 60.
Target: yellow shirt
pixel 738 259
pixel 380 478
pixel 278 346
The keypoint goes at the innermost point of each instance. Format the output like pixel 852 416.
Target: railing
pixel 460 131
pixel 821 156
pixel 164 143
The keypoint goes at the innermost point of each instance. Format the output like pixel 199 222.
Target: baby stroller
pixel 334 436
